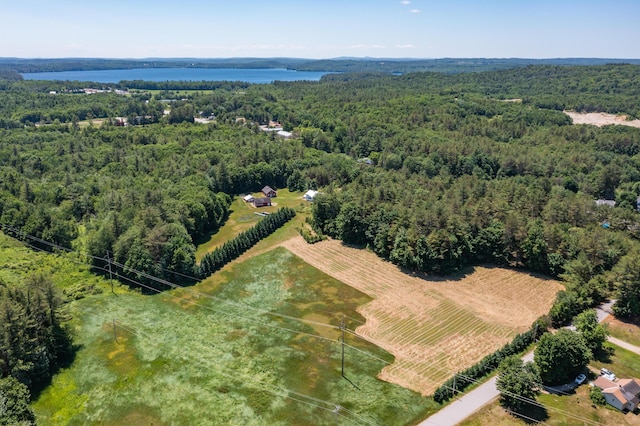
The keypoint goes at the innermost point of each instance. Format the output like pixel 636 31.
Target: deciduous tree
pixel 560 356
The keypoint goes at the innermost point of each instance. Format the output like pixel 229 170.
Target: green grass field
pixel 221 358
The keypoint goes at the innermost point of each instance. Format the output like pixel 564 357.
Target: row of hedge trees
pixel 232 249
pixel 489 363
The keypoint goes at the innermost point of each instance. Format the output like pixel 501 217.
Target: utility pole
pixel 110 273
pixel 115 336
pixel 335 411
pixel 453 391
pixel 342 328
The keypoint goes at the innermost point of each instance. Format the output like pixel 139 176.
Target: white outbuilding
pixel 310 195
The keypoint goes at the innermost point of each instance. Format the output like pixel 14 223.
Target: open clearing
pixel 434 327
pixel 601 119
pixel 242 216
pixel 256 345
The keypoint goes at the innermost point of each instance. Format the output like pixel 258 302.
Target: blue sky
pixel 320 29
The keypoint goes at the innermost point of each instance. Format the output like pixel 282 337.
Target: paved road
pixel 624 345
pixel 472 401
pixel 462 408
pixel 469 403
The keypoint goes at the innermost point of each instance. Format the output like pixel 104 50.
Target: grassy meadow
pixel 227 352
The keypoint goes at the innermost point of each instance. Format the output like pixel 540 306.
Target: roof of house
pixel 248 197
pixel 625 391
pixel 621 395
pixel 630 385
pixel 267 189
pixel 262 200
pixel 604 383
pixel 311 193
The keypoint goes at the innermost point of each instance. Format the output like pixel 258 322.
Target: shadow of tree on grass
pixel 529 413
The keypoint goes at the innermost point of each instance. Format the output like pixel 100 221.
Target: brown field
pixel 433 326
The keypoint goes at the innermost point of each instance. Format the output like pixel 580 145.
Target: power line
pixel 538 404
pixel 176 286
pixel 160 280
pixel 261 311
pixel 199 294
pixel 275 390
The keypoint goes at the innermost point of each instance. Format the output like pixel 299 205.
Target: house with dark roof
pixel 623 394
pixel 269 192
pixel 262 202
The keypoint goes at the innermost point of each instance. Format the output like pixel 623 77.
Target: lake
pixel 259 75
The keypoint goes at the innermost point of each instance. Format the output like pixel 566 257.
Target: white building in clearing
pixel 248 198
pixel 310 195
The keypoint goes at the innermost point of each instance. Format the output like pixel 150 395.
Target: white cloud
pixel 415 11
pixel 405 2
pixel 368 46
pixel 404 46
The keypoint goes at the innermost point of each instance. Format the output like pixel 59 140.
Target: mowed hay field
pixel 434 327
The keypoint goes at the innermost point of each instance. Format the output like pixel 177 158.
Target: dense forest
pixel 431 171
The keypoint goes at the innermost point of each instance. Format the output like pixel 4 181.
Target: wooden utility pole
pixel 115 336
pixel 342 328
pixel 110 273
pixel 453 390
pixel 335 411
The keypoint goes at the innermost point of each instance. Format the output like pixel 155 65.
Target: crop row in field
pixel 433 326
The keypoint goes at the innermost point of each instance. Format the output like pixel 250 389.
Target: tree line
pixel 33 345
pixel 232 249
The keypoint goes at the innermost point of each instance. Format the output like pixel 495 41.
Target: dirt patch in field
pixel 433 326
pixel 601 119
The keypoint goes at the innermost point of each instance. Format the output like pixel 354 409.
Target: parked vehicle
pixel 580 379
pixel 608 374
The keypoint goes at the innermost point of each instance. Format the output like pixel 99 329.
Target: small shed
pixel 262 202
pixel 248 198
pixel 610 203
pixel 310 195
pixel 269 192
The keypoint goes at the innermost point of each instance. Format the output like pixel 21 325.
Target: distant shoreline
pixel 249 75
pixel 383 65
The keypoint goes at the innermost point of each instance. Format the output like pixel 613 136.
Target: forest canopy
pixel 432 171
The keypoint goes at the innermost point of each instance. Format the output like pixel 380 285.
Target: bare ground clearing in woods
pixel 601 119
pixel 433 326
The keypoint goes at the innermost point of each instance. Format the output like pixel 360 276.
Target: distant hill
pixel 384 65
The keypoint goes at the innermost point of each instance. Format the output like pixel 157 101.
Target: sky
pixel 320 29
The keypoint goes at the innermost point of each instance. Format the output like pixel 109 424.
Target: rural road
pixel 472 401
pixel 467 404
